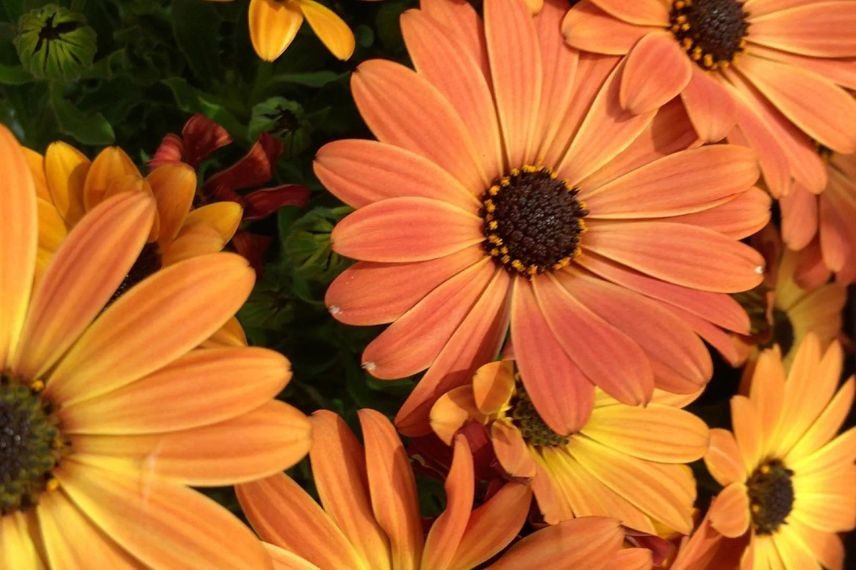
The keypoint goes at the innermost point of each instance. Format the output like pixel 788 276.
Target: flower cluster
pixel 577 225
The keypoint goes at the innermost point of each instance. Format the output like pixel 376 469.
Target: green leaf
pixel 88 128
pixel 191 100
pixel 308 79
pixel 55 43
pixel 14 75
pixel 196 26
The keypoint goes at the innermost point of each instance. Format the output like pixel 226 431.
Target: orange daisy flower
pixel 103 423
pixel 625 462
pixel 274 25
pixel 370 515
pixel 68 185
pixel 778 69
pixel 788 480
pixel 824 223
pixel 509 191
pixel 782 311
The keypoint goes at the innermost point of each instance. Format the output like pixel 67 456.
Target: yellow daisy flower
pixel 109 414
pixel 626 462
pixel 788 480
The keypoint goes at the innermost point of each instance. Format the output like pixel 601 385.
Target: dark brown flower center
pixel 783 331
pixel 525 418
pixel 711 31
pixel 532 221
pixel 771 496
pixel 31 445
pixel 147 263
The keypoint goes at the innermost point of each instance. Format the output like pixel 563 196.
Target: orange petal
pixel 285 515
pixel 588 28
pixel 729 512
pixel 655 55
pixel 174 186
pixel 767 393
pixel 162 524
pixel 451 411
pixel 681 183
pixel 478 339
pixel 740 216
pixel 461 21
pixel 747 432
pixel 456 74
pixel 493 386
pixel 65 172
pixel 493 525
pixel 330 29
pixel 286 560
pixel 405 109
pixel 18 242
pixel 375 293
pixel 606 356
pixel 830 119
pixel 52 232
pixel 515 66
pixel 339 472
pixel 230 334
pixel 137 334
pixel 200 388
pixel 582 543
pixel 225 217
pixel 360 172
pixel 640 245
pixel 412 342
pixel 511 450
pixel 448 529
pixel 841 451
pixel 72 541
pixel 109 167
pixel 36 164
pixel 560 392
pixel 393 489
pixel 193 241
pixel 723 458
pixel 654 433
pixel 821 29
pixel 246 447
pixel 828 423
pixel 273 25
pixel 18 540
pixel 387 231
pixel 711 108
pixel 642 12
pixel 84 274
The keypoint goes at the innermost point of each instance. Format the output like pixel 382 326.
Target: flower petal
pixel 821 29
pixel 747 431
pixel 110 166
pixel 18 541
pixel 174 186
pixel 65 172
pixel 655 71
pixel 741 216
pixel 273 25
pixel 723 458
pixel 162 524
pixel 452 411
pixel 729 511
pixel 511 450
pixel 642 12
pixel 493 386
pixel 710 106
pixel 18 242
pixel 137 334
pixel 588 28
pixel 330 29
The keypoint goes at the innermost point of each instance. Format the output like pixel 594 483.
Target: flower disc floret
pixel 711 31
pixel 771 495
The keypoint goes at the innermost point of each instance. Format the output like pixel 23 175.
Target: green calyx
pixel 55 43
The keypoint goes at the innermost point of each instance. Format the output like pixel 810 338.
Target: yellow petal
pixel 163 524
pixel 36 162
pixel 110 166
pixel 174 186
pixel 273 25
pixel 230 334
pixel 52 229
pixel 17 544
pixel 193 240
pixel 451 411
pixel 66 169
pixel 330 29
pixel 493 386
pixel 18 242
pixel 225 217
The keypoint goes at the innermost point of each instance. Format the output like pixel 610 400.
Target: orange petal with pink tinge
pixel 393 489
pixel 339 472
pixel 821 29
pixel 84 274
pixel 641 12
pixel 729 512
pixel 406 229
pixel 283 513
pixel 162 524
pixel 655 71
pixel 360 172
pixel 404 109
pixel 723 458
pixel 711 108
pixel 730 266
pixel 452 411
pixel 200 388
pixel 588 28
pixel 412 342
pixel 460 20
pixel 561 393
pixel 515 66
pixel 456 74
pixel 493 386
pixel 511 450
pixel 137 334
pixel 741 216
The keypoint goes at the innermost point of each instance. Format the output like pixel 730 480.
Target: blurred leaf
pixel 14 75
pixel 88 128
pixel 196 26
pixel 192 100
pixel 309 79
pixel 307 246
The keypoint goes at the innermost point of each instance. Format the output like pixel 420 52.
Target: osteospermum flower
pixel 274 24
pixel 783 311
pixel 528 201
pixel 369 515
pixel 625 462
pixel 68 185
pixel 108 414
pixel 823 225
pixel 779 69
pixel 788 480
